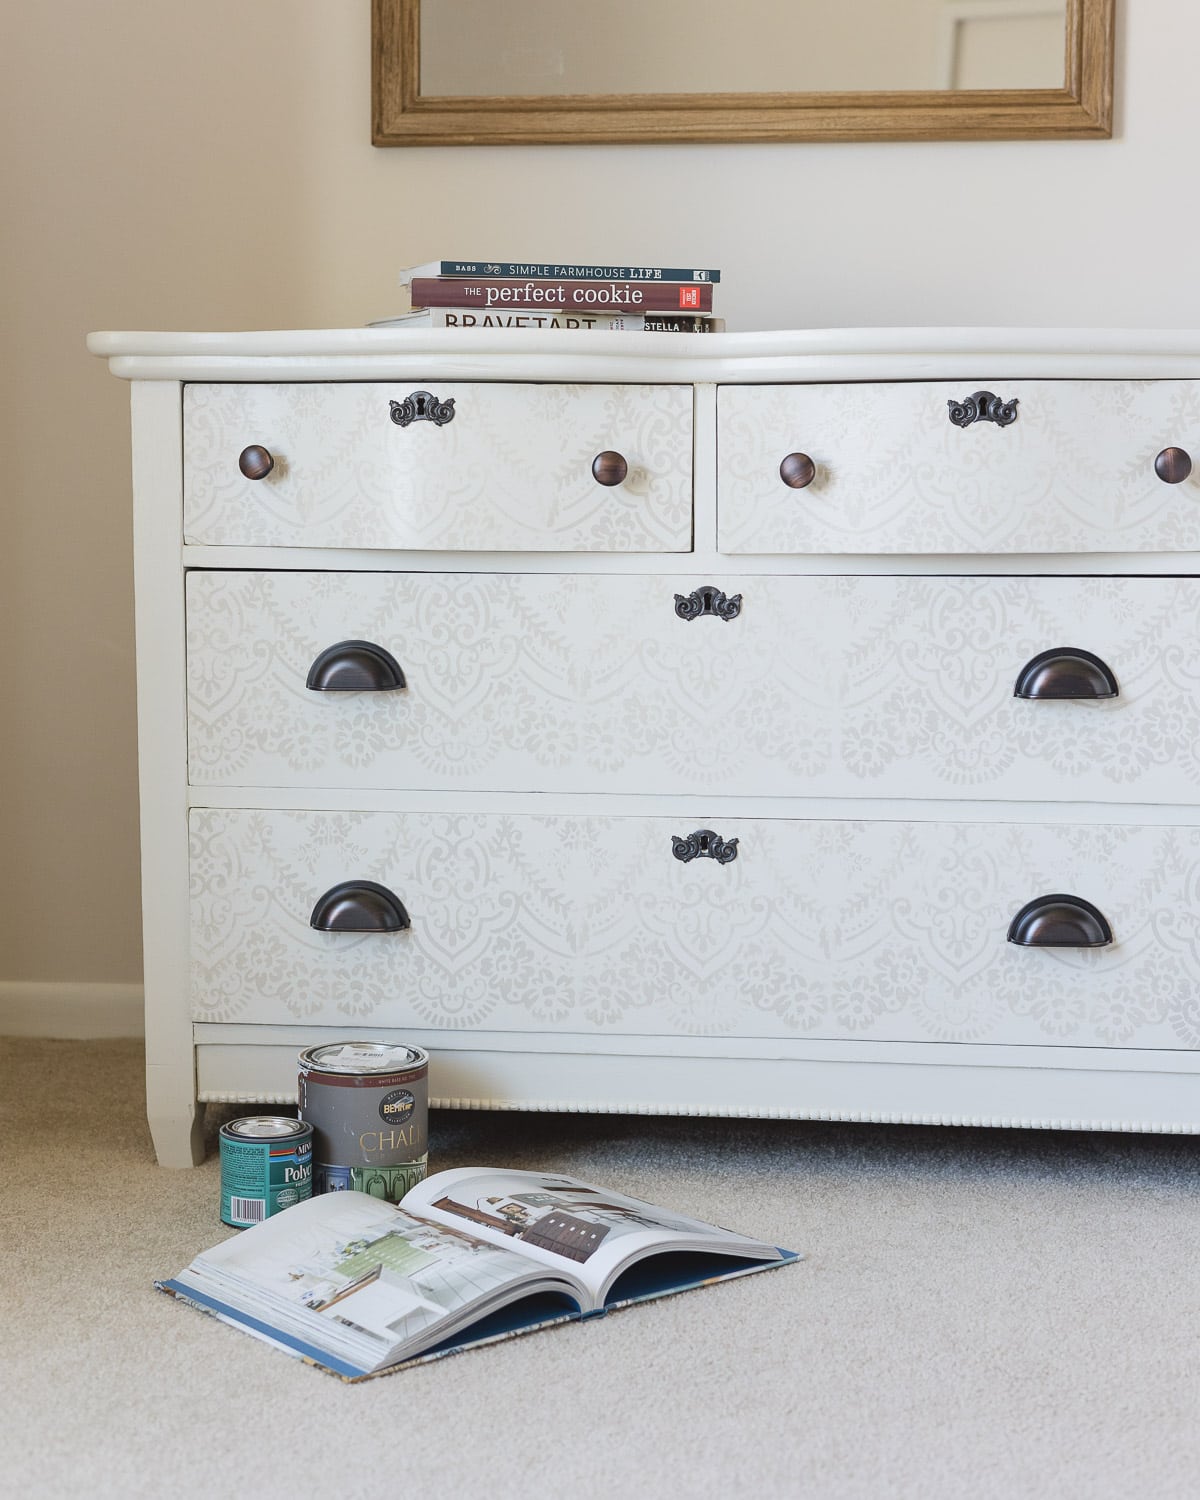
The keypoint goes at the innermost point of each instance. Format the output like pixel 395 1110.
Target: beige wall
pixel 209 166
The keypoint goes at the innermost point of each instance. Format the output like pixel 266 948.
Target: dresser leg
pixel 176 1119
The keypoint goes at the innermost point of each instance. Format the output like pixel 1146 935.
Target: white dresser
pixel 785 724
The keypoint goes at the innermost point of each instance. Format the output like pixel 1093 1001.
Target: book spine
pixel 551 270
pixel 572 296
pixel 653 323
pixel 453 317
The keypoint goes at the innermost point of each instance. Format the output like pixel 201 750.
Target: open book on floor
pixel 359 1286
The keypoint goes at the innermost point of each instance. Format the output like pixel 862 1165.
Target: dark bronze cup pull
pixel 359 906
pixel 797 471
pixel 609 468
pixel 1066 672
pixel 704 844
pixel 256 462
pixel 1173 465
pixel 355 667
pixel 1060 922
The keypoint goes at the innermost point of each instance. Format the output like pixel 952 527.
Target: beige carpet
pixel 981 1314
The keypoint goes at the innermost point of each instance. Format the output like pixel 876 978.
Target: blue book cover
pixel 360 1287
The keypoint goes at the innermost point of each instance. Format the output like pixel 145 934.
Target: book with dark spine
pixel 660 323
pixel 573 296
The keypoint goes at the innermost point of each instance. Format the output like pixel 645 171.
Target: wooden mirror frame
pixel 401 117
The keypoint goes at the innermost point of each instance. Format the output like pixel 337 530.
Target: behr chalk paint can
pixel 266 1166
pixel 368 1105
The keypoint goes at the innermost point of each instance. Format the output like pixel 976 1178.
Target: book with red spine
pixel 568 296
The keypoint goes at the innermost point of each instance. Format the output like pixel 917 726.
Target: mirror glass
pixel 473 48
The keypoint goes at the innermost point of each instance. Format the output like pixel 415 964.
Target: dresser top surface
pixel 749 357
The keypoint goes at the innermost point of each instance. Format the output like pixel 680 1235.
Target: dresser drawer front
pixel 510 471
pixel 1074 471
pixel 839 686
pixel 879 931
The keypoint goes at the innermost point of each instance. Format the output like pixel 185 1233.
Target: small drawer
pixel 1043 466
pixel 458 467
pixel 833 686
pixel 1073 935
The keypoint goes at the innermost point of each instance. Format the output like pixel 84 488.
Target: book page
pixel 562 1222
pixel 357 1275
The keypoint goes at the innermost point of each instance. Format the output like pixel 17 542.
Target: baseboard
pixel 72 1011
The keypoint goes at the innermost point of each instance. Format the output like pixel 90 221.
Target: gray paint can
pixel 368 1105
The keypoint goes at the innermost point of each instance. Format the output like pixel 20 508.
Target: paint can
pixel 368 1105
pixel 266 1166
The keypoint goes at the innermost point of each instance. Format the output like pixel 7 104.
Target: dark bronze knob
pixel 1173 465
pixel 609 468
pixel 797 470
pixel 255 461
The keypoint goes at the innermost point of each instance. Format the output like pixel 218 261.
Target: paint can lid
pixel 363 1057
pixel 265 1128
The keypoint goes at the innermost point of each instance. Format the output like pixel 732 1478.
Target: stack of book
pixel 515 294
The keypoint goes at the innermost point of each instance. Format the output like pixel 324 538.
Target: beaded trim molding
pixel 834 1116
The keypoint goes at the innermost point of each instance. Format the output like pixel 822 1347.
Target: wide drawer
pixel 509 469
pixel 837 686
pixel 1073 470
pixel 555 925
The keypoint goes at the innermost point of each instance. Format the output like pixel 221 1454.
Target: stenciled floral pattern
pixel 580 927
pixel 588 925
pixel 511 472
pixel 823 686
pixel 1073 473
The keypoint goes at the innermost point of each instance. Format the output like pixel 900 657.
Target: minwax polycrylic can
pixel 368 1105
pixel 266 1166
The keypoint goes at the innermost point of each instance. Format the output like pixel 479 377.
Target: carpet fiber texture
pixel 980 1314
